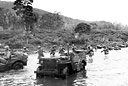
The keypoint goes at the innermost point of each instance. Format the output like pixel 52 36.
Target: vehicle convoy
pixel 17 60
pixel 61 66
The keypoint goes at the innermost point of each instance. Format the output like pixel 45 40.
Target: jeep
pixel 16 61
pixel 62 65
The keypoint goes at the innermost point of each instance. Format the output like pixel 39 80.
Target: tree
pixel 82 28
pixel 7 19
pixel 51 21
pixel 24 10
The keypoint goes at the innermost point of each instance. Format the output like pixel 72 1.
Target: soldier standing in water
pixel 90 53
pixel 61 50
pixel 53 50
pixel 105 50
pixel 40 52
pixel 73 48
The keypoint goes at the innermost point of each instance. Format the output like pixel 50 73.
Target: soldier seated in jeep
pixel 25 50
pixel 5 56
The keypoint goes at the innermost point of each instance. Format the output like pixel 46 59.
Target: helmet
pixel 24 47
pixel 39 47
pixel 7 47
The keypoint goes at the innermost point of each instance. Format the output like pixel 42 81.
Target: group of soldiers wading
pixel 53 50
pixel 61 50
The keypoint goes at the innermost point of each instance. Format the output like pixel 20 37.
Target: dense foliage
pixel 82 28
pixel 51 21
pixel 24 10
pixel 54 29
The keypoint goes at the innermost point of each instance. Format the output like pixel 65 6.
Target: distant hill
pixel 54 29
pixel 69 21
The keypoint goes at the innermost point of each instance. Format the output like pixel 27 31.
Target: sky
pixel 115 11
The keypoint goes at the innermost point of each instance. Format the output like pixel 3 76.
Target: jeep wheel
pixel 17 66
pixel 65 72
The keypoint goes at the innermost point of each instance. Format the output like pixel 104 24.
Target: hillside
pixel 54 29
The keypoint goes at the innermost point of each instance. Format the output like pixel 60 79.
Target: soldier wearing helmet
pixel 90 51
pixel 73 48
pixel 7 51
pixel 40 52
pixel 3 59
pixel 53 50
pixel 61 50
pixel 25 49
pixel 105 50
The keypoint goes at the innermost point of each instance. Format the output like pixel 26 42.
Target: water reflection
pixel 48 81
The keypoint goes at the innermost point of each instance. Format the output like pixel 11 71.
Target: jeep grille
pixel 49 64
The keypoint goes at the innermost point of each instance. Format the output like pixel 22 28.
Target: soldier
pixel 90 51
pixel 7 52
pixel 85 47
pixel 3 59
pixel 95 48
pixel 61 50
pixel 25 50
pixel 40 52
pixel 73 48
pixel 105 50
pixel 53 50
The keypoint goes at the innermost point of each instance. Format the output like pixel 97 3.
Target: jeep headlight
pixel 57 60
pixel 41 62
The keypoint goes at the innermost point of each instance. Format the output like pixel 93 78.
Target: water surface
pixel 110 70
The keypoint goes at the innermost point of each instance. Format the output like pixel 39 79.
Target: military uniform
pixel 90 51
pixel 52 52
pixel 106 51
pixel 25 50
pixel 40 52
pixel 3 59
pixel 62 50
pixel 73 48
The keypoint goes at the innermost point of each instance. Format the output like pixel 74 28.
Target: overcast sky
pixel 88 10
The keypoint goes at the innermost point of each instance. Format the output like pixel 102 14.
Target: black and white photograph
pixel 63 43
